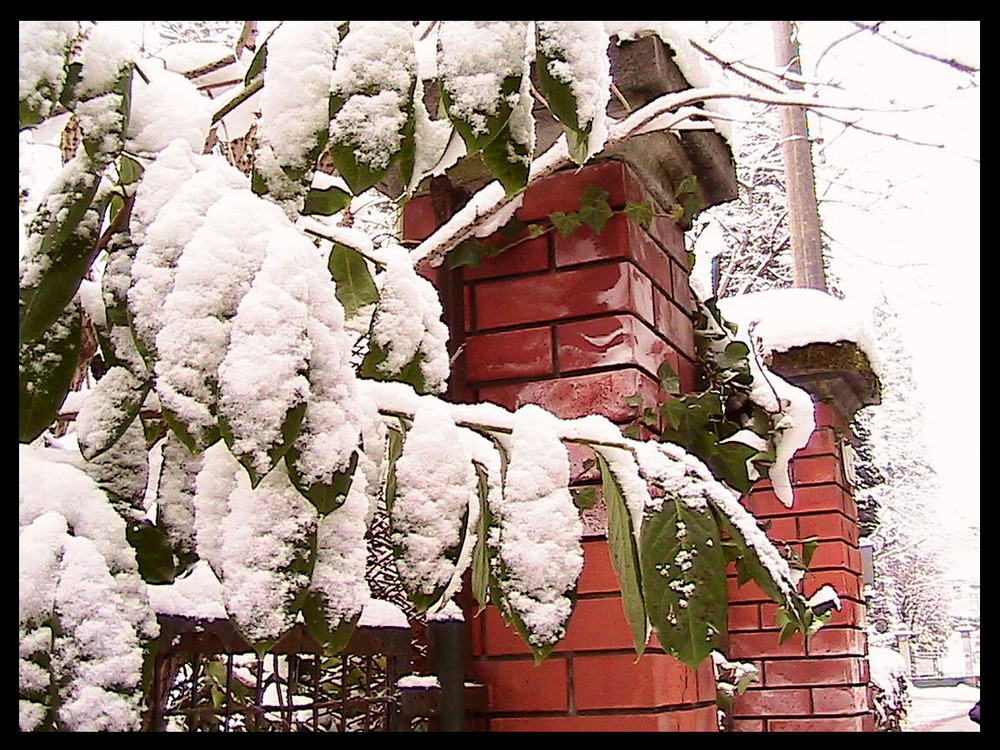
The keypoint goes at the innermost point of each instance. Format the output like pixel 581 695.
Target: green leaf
pixel 595 211
pixel 750 562
pixel 355 287
pixel 290 428
pixel 394 450
pixel 584 497
pixel 481 552
pixel 493 122
pixel 153 552
pixel 130 402
pixel 729 460
pixel 467 253
pixel 66 249
pixel 684 580
pixel 641 213
pixel 359 174
pixel 258 63
pixel 326 202
pixel 565 223
pixel 668 378
pixel 371 367
pixel 45 372
pixel 508 161
pixel 624 553
pixel 563 104
pixel 314 614
pixel 326 496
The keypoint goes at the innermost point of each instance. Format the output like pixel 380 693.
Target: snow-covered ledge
pixel 815 341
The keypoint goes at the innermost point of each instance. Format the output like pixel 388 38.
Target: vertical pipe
pixel 447 656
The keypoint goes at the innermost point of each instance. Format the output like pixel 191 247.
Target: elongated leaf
pixel 248 456
pixel 563 104
pixel 411 372
pixel 754 552
pixel 625 556
pixel 45 371
pixel 684 580
pixel 153 552
pixel 481 553
pixel 394 448
pixel 355 287
pixel 508 160
pixel 326 202
pixel 326 496
pixel 335 640
pixel 110 409
pixel 62 253
pixel 481 134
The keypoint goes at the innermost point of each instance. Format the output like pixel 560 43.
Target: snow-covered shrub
pixel 890 688
pixel 232 315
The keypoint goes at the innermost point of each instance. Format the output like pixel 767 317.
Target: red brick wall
pixel 578 325
pixel 819 684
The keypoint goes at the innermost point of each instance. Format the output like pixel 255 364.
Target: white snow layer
pixel 787 318
pixel 779 320
pixel 431 509
pixel 539 527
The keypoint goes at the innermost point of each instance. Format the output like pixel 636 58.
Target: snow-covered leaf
pixel 45 371
pixel 684 579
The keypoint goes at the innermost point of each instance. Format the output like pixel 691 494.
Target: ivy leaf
pixel 565 223
pixel 355 287
pixel 640 213
pixel 625 556
pixel 668 378
pixel 595 211
pixel 326 202
pixel 684 580
pixel 45 372
pixel 467 253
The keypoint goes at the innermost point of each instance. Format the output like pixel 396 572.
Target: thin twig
pixel 950 62
pixel 237 100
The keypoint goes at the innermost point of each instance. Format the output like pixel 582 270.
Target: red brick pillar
pixel 819 684
pixel 578 325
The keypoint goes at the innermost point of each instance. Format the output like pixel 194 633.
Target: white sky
pixel 922 249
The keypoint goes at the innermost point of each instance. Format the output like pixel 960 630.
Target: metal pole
pixel 800 182
pixel 447 656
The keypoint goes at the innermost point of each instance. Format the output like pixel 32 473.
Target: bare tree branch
pixel 877 30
